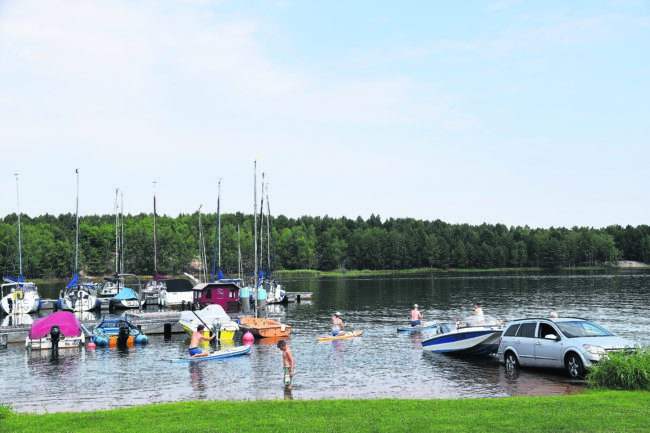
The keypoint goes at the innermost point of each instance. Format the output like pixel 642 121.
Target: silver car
pixel 570 343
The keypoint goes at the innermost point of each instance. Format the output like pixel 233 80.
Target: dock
pixel 155 322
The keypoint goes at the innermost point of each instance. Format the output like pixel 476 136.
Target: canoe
pixel 340 337
pixel 409 328
pixel 219 354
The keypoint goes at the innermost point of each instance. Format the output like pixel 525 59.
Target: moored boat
pixel 19 297
pixel 263 328
pixel 57 331
pixel 116 331
pixel 214 318
pixel 127 298
pixel 476 335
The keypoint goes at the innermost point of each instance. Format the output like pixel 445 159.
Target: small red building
pixel 223 292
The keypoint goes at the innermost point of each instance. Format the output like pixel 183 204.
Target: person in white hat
pixel 416 316
pixel 337 325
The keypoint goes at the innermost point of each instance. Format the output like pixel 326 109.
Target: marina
pixel 381 363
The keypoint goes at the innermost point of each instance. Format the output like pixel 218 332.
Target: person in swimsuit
pixel 416 316
pixel 198 337
pixel 337 325
pixel 287 364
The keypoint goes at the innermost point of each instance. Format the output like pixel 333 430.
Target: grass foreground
pixel 592 411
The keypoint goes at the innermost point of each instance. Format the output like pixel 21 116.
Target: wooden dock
pixel 164 322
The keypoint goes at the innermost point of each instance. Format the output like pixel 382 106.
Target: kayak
pixel 219 354
pixel 340 337
pixel 409 328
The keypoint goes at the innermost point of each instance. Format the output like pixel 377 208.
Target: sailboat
pixel 155 291
pixel 261 327
pixel 111 286
pixel 19 296
pixel 275 294
pixel 221 290
pixel 78 296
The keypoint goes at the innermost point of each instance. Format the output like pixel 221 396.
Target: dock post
pixel 3 340
pixel 167 330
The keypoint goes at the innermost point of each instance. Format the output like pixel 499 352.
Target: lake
pixel 380 364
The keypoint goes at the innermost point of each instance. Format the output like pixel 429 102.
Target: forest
pixel 197 243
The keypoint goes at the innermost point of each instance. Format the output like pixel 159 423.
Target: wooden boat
pixel 228 352
pixel 409 328
pixel 352 334
pixel 263 328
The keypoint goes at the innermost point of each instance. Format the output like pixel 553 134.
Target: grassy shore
pixel 606 411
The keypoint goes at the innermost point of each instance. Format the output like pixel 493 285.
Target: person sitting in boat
pixel 416 316
pixel 337 325
pixel 197 337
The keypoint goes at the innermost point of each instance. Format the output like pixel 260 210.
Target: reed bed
pixel 622 371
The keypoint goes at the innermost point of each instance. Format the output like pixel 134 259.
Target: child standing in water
pixel 287 362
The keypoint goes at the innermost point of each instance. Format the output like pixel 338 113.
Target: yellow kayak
pixel 340 337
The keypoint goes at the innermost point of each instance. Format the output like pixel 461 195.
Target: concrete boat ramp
pixel 154 322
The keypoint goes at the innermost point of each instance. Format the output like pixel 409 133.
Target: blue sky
pixel 514 112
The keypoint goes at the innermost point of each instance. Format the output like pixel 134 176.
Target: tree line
pixel 309 242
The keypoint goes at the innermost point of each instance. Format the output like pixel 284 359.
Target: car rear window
pixel 512 330
pixel 527 330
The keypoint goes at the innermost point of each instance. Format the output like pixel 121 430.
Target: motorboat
pixel 179 292
pixel 19 297
pixel 127 298
pixel 263 328
pixel 476 335
pixel 117 331
pixel 60 330
pixel 155 292
pixel 215 320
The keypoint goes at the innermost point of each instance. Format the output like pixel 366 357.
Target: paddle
pixel 205 324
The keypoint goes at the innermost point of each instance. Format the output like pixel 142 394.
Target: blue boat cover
pixel 126 293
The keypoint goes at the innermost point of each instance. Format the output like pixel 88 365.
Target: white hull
pixel 79 300
pixel 45 343
pixel 20 302
pixel 177 298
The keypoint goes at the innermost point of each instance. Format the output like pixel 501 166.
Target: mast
pixel 20 249
pixel 204 259
pixel 217 241
pixel 122 233
pixel 155 238
pixel 117 234
pixel 76 241
pixel 255 232
pixel 268 230
pixel 262 229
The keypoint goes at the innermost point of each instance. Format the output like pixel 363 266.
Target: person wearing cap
pixel 197 337
pixel 337 325
pixel 416 316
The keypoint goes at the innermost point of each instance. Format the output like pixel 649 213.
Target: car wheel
pixel 574 366
pixel 511 362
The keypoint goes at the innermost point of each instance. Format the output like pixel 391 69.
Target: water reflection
pixel 381 364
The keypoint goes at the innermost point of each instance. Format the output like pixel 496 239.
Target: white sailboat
pixel 78 296
pixel 111 286
pixel 19 296
pixel 155 291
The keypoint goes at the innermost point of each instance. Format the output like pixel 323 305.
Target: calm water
pixel 380 364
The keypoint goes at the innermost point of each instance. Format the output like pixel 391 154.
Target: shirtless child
pixel 287 362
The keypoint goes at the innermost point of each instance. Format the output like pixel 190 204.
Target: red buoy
pixel 91 346
pixel 248 338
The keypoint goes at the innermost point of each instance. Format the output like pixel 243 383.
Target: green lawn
pixel 606 411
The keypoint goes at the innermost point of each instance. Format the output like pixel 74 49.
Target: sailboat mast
pixel 122 232
pixel 268 229
pixel 76 241
pixel 204 260
pixel 20 249
pixel 262 228
pixel 155 238
pixel 117 233
pixel 216 234
pixel 255 232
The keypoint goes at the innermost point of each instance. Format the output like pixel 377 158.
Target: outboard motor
pixel 55 336
pixel 123 335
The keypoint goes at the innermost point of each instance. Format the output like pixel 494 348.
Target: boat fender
pixel 283 327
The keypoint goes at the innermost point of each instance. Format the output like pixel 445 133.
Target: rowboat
pixel 340 337
pixel 228 352
pixel 409 328
pixel 263 328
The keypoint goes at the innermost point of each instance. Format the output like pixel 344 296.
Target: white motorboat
pixel 476 335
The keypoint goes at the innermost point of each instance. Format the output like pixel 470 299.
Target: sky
pixel 507 112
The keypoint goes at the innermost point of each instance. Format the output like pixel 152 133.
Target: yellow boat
pixel 340 336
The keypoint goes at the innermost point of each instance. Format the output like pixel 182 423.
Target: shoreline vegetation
pixel 340 273
pixel 592 411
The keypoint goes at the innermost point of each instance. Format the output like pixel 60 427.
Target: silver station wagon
pixel 570 343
